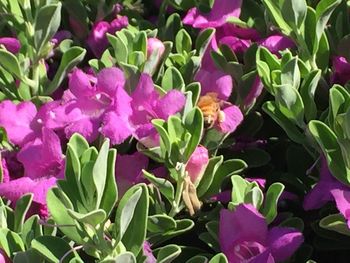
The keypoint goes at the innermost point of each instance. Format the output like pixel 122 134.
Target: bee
pixel 209 104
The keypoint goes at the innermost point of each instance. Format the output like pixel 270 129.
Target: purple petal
pixel 241 33
pixel 341 70
pixel 197 164
pixel 97 40
pixel 169 104
pixel 222 9
pixel 277 43
pixel 60 36
pixel 118 24
pixel 15 189
pixel 11 44
pixel 264 257
pixel 147 251
pixel 242 219
pixel 80 84
pixel 17 120
pixel 129 170
pixel 115 127
pixel 215 81
pixel 342 200
pixel 86 127
pixel 144 91
pixel 254 92
pixel 42 157
pixel 232 117
pixel 236 44
pixel 109 79
pixel 283 242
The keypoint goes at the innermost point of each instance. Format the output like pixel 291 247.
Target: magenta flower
pixel 97 39
pixel 276 43
pixel 11 44
pixel 18 121
pixel 93 105
pixel 244 237
pixel 197 164
pixel 222 9
pixel 147 252
pixel 155 45
pixel 217 86
pixel 329 189
pixel 128 171
pixel 341 70
pixel 43 164
pixel 147 104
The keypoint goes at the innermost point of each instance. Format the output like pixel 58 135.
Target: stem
pixel 70 251
pixel 179 188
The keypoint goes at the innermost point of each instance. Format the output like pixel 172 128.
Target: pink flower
pixel 97 39
pixel 222 9
pixel 197 164
pixel 341 70
pixel 11 44
pixel 93 105
pixel 18 121
pixel 244 237
pixel 147 105
pixel 276 43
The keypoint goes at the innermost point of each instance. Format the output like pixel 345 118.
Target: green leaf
pixel 168 253
pixel 27 256
pixel 92 218
pixel 194 124
pixel 238 192
pixel 172 79
pixel 164 186
pixel 327 140
pixel 335 222
pixel 160 223
pixel 292 131
pixel 59 213
pixel 72 57
pixel 10 242
pixel 203 40
pixel 269 210
pixel 219 258
pixel 274 12
pixel 289 102
pixel 324 10
pixel 10 63
pixel 159 124
pixel 307 92
pixel 120 48
pixel 131 218
pixel 99 171
pixel 78 144
pixel 125 257
pixel 53 249
pixel 197 259
pixel 183 42
pixel 290 73
pixel 31 229
pixel 46 24
pixel 110 194
pixel 294 12
pixel 22 207
pixel 208 176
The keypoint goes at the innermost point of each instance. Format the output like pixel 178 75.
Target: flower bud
pixel 155 45
pixel 11 44
pixel 197 164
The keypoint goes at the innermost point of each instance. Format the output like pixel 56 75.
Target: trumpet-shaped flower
pixel 244 237
pixel 93 105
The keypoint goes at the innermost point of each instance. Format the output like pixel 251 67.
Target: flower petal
pixel 221 10
pixel 17 120
pixel 169 104
pixel 116 128
pixel 242 219
pixel 283 242
pixel 342 199
pixel 232 118
pixel 109 79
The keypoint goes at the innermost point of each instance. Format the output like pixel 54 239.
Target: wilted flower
pixel 244 237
